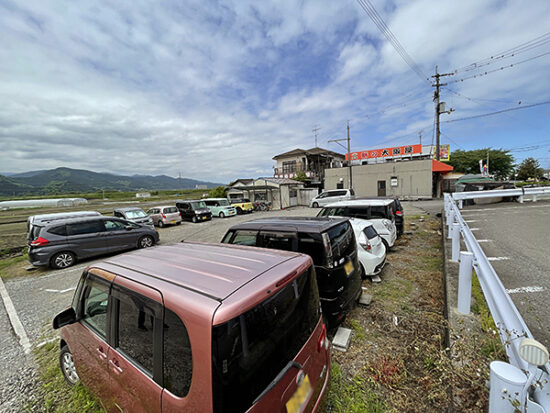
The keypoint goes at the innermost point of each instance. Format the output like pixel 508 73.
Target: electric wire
pixel 496 112
pixel 529 45
pixel 368 7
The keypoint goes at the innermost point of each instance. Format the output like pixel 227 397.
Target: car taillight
pixel 399 213
pixel 286 279
pixel 39 242
pixel 323 340
pixel 364 242
pixel 328 249
pixel 163 216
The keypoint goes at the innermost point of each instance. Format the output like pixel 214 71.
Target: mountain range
pixel 66 180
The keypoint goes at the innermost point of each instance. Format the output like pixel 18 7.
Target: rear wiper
pixel 279 376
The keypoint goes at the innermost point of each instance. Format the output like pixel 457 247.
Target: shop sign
pixel 406 150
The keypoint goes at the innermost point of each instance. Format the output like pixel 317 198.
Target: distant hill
pixel 66 180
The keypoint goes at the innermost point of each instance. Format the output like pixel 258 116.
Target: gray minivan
pixel 60 244
pixel 44 219
pixel 133 214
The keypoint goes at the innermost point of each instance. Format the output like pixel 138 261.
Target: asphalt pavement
pixel 516 239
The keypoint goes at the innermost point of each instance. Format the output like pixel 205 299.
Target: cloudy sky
pixel 216 89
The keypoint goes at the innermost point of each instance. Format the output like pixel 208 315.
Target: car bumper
pixel 39 259
pixel 372 264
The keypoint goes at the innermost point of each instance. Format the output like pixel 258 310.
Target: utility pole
pixel 420 137
pixel 315 130
pixel 438 110
pixel 488 162
pixel 348 155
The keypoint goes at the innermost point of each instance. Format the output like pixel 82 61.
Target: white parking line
pixel 60 291
pixel 43 343
pixel 534 289
pixel 469 221
pixel 474 229
pixel 498 258
pixel 14 319
pixel 484 240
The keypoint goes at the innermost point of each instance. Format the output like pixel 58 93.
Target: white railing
pixel 511 326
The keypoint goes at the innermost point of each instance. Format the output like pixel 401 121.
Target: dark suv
pixel 194 210
pixel 61 243
pixel 329 241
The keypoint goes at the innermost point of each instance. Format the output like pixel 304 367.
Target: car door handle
pixel 115 366
pixel 102 355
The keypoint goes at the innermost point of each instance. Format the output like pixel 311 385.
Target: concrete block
pixel 365 299
pixel 342 339
pixel 376 279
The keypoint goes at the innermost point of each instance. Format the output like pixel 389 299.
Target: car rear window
pixel 170 210
pixel 250 350
pixel 33 233
pixel 370 232
pixel 342 240
pixel 378 212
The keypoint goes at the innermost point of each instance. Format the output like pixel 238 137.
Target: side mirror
pixel 128 227
pixel 64 318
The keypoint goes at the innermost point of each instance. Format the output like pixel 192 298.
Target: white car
pixel 371 251
pixel 377 211
pixel 333 195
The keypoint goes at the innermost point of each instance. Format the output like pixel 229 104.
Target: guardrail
pixel 533 393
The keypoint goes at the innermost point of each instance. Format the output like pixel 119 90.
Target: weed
pixel 357 329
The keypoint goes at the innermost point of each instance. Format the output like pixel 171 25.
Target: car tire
pixel 161 224
pixel 62 259
pixel 194 219
pixel 385 245
pixel 315 205
pixel 146 241
pixel 239 211
pixel 68 369
pixel 222 215
pixel 178 223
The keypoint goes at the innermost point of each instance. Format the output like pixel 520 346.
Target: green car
pixel 220 207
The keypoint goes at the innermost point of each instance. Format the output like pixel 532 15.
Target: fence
pixel 511 326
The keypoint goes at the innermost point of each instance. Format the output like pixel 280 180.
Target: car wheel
pixel 385 244
pixel 161 224
pixel 146 241
pixel 178 223
pixel 222 215
pixel 68 369
pixel 194 219
pixel 63 259
pixel 315 205
pixel 239 211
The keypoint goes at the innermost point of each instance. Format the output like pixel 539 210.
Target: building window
pixel 289 167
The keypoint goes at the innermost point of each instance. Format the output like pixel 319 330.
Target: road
pixel 516 238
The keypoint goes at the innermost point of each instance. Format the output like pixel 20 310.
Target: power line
pixel 497 112
pixel 480 99
pixel 500 68
pixel 531 44
pixel 379 22
pixel 394 106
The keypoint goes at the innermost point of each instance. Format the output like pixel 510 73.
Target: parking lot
pixel 42 293
pixel 515 238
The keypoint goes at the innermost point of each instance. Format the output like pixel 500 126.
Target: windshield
pixel 198 205
pixel 250 350
pixel 331 212
pixel 136 213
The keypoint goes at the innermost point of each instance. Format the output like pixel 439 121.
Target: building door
pixel 381 188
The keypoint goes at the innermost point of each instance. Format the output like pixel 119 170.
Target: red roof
pixel 441 167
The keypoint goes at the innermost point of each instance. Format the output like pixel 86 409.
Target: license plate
pixel 348 267
pixel 203 218
pixel 298 400
pixel 173 221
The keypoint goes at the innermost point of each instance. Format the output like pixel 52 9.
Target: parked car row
pixel 218 327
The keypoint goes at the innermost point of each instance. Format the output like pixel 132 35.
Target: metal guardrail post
pixel 465 282
pixel 521 199
pixel 456 242
pixel 534 198
pixel 460 204
pixel 450 222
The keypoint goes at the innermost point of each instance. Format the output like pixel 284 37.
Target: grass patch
pixel 491 346
pixel 392 293
pixel 355 395
pixel 11 267
pixel 357 329
pixel 56 396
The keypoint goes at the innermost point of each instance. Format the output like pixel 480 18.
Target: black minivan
pixel 194 210
pixel 329 241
